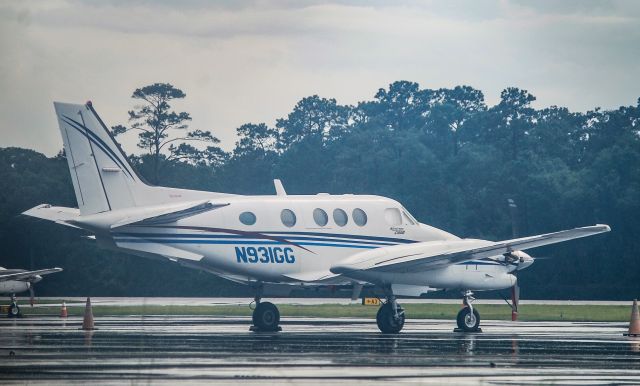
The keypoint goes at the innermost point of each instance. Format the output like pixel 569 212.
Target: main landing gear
pixel 266 317
pixel 468 318
pixel 390 317
pixel 14 310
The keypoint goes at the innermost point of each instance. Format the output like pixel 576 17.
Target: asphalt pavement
pixel 143 350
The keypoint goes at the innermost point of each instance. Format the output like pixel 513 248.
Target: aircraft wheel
pixel 468 321
pixel 387 322
pixel 266 317
pixel 14 311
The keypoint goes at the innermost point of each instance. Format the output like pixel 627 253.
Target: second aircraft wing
pixel 27 275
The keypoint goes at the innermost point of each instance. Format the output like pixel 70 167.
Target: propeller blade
pixel 515 298
pixel 33 295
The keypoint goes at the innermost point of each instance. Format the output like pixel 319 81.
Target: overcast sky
pixel 252 61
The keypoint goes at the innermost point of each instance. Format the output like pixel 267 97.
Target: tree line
pixel 450 158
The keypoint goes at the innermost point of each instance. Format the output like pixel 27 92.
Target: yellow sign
pixel 370 301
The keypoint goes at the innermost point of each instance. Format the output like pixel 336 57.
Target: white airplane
pixel 13 281
pixel 305 240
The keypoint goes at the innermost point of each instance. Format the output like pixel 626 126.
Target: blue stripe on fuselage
pixel 236 242
pixel 321 237
pixel 307 236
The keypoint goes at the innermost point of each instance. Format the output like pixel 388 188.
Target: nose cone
pixel 524 260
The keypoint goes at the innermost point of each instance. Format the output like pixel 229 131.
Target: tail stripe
pixel 96 140
pixel 95 162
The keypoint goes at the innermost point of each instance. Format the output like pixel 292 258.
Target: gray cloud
pixel 252 61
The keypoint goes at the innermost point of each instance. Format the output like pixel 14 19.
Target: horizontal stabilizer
pixel 27 275
pixel 166 214
pixel 57 214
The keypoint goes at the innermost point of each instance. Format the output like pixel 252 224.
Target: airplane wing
pixel 433 255
pixel 26 275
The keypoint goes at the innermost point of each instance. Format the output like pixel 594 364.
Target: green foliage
pixel 449 158
pixel 156 123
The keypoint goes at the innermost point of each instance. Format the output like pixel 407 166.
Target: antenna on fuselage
pixel 279 188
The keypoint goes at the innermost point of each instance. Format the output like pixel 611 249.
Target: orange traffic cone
pixel 87 323
pixel 634 324
pixel 63 312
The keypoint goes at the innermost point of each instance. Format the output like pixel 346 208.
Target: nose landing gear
pixel 468 318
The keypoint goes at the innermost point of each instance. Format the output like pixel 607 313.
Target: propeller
pixel 518 260
pixel 32 295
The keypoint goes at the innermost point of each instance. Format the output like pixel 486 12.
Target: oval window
pixel 359 217
pixel 288 217
pixel 247 218
pixel 320 217
pixel 340 217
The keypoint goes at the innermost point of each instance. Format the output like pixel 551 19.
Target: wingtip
pixel 605 227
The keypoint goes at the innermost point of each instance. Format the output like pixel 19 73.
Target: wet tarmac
pixel 133 301
pixel 149 350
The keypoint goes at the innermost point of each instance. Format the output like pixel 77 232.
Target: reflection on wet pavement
pixel 316 351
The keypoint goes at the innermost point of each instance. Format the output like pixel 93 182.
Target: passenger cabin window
pixel 359 217
pixel 340 217
pixel 392 216
pixel 288 217
pixel 247 218
pixel 320 217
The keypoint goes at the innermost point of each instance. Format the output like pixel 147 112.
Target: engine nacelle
pixel 13 286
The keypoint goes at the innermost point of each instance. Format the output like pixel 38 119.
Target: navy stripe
pixel 225 242
pixel 100 145
pixel 205 236
pixel 246 234
pixel 99 142
pixel 106 146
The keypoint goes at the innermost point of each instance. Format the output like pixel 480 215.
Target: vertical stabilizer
pixel 102 177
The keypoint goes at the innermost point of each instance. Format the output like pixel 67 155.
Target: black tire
pixel 468 322
pixel 266 317
pixel 387 323
pixel 14 311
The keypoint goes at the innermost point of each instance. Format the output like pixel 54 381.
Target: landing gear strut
pixel 390 317
pixel 266 317
pixel 468 318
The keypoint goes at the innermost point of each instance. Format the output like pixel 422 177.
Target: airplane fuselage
pixel 297 238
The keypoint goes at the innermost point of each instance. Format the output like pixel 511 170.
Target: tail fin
pixel 103 178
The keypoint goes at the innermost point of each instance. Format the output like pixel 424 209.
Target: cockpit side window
pixel 392 216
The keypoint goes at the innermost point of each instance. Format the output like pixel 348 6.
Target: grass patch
pixel 532 312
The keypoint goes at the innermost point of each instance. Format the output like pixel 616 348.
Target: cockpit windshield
pixel 409 218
